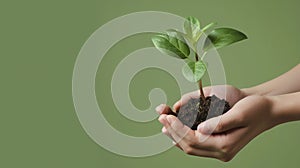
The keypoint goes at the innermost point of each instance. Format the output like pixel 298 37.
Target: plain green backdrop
pixel 39 43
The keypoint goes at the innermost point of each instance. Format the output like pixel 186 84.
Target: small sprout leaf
pixel 208 26
pixel 171 43
pixel 194 71
pixel 192 28
pixel 222 37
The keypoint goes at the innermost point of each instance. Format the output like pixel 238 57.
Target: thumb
pixel 220 123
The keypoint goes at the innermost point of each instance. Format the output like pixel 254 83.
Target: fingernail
pixel 203 128
pixel 175 105
pixel 164 130
pixel 162 119
pixel 160 108
pixel 200 127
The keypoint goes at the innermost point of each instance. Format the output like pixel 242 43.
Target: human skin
pixel 254 110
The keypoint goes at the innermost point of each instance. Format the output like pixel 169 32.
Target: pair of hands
pixel 224 136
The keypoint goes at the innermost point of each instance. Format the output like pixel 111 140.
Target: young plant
pixel 183 45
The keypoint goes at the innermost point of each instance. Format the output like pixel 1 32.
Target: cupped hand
pixel 224 136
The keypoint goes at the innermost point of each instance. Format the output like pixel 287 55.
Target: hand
pixel 230 132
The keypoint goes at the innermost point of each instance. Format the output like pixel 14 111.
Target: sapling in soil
pixel 183 45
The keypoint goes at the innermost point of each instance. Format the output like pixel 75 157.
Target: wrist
pixel 257 90
pixel 275 111
pixel 285 108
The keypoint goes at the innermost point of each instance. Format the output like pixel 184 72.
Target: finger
pixel 185 98
pixel 162 119
pixel 199 149
pixel 180 130
pixel 165 131
pixel 198 152
pixel 222 123
pixel 184 136
pixel 203 153
pixel 163 109
pixel 177 105
pixel 185 139
pixel 177 145
pixel 169 130
pixel 189 137
pixel 206 141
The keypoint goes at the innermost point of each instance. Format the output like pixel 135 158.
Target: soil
pixel 196 111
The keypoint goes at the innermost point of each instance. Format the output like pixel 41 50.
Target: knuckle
pixel 224 149
pixel 220 126
pixel 191 143
pixel 225 153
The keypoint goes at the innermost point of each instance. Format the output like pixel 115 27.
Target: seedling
pixel 183 45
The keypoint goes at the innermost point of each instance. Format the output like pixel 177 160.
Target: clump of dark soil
pixel 196 111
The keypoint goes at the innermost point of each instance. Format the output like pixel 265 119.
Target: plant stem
pixel 200 81
pixel 201 90
pixel 196 56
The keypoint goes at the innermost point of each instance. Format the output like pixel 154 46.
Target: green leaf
pixel 208 26
pixel 222 37
pixel 192 28
pixel 194 71
pixel 171 43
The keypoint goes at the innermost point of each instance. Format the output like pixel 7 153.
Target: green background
pixel 40 41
